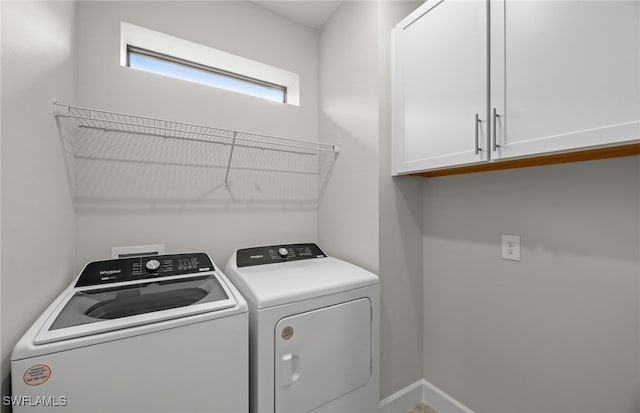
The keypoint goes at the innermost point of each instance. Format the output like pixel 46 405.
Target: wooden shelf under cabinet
pixel 577 156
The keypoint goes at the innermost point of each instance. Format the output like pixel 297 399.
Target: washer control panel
pixel 277 253
pixel 129 269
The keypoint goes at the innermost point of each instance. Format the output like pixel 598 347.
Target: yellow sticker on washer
pixel 36 375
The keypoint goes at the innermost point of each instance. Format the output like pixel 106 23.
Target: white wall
pixel 348 214
pixel 367 217
pixel 38 225
pixel 558 331
pixel 400 236
pixel 241 28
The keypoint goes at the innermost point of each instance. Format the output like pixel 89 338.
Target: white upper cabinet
pixel 440 89
pixel 564 75
pixel 543 77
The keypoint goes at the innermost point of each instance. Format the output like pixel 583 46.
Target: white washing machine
pixel 314 327
pixel 167 333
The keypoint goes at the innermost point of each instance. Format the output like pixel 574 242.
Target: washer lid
pixel 97 309
pixel 284 282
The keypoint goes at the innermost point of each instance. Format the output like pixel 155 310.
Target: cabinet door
pixel 439 86
pixel 564 75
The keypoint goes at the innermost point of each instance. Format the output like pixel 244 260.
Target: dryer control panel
pixel 130 269
pixel 277 253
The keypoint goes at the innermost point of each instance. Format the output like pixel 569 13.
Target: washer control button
pixel 283 252
pixel 152 265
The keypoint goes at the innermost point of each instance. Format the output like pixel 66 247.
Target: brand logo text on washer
pixel 109 272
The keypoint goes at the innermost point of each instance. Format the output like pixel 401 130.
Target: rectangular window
pixel 162 64
pixel 167 55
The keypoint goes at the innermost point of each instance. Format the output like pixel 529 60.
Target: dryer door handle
pixel 289 368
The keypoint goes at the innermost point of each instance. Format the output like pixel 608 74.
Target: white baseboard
pixel 403 400
pixel 441 401
pixel 422 391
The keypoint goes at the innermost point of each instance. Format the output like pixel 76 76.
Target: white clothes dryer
pixel 314 328
pixel 166 333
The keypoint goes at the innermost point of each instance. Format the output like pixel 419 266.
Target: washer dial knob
pixel 283 252
pixel 152 265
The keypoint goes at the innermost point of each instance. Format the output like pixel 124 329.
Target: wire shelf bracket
pixel 120 159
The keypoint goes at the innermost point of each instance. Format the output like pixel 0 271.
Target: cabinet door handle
pixel 495 145
pixel 478 149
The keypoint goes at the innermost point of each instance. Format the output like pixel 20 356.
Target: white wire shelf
pixel 117 160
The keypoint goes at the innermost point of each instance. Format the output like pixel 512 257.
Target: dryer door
pixel 322 355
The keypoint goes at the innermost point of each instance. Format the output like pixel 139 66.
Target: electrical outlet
pixel 511 247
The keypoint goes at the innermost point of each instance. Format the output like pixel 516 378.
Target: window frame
pixel 203 68
pixel 209 56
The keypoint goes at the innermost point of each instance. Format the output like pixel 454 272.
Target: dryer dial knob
pixel 152 265
pixel 283 252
